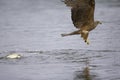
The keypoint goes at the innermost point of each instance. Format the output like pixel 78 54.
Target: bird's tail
pixel 84 35
pixel 72 33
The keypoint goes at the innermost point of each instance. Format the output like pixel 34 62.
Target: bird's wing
pixel 82 14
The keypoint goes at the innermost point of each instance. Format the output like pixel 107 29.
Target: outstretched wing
pixel 82 12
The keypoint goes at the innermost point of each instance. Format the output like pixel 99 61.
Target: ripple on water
pixel 102 64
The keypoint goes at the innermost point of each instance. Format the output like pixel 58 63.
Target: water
pixel 32 28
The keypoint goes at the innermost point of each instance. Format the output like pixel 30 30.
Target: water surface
pixel 32 28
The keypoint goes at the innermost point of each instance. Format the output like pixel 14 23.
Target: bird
pixel 82 15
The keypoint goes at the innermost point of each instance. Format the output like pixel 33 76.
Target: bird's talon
pixel 87 41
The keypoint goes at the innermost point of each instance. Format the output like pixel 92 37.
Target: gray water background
pixel 32 28
pixel 37 25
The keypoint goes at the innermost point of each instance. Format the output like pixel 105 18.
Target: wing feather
pixel 82 13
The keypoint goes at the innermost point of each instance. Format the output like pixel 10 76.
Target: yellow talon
pixel 88 42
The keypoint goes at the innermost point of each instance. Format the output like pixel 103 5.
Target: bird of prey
pixel 82 14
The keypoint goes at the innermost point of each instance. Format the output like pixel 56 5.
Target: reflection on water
pixel 85 74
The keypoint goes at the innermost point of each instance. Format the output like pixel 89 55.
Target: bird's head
pixel 68 2
pixel 97 22
pixel 71 3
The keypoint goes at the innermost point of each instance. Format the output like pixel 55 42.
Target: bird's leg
pixel 87 41
pixel 72 33
pixel 84 35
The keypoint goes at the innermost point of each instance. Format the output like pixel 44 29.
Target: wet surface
pixel 32 29
pixel 62 65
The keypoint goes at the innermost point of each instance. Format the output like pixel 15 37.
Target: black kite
pixel 82 14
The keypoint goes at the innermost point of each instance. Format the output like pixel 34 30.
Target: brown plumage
pixel 82 14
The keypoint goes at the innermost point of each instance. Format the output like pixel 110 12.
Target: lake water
pixel 32 28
